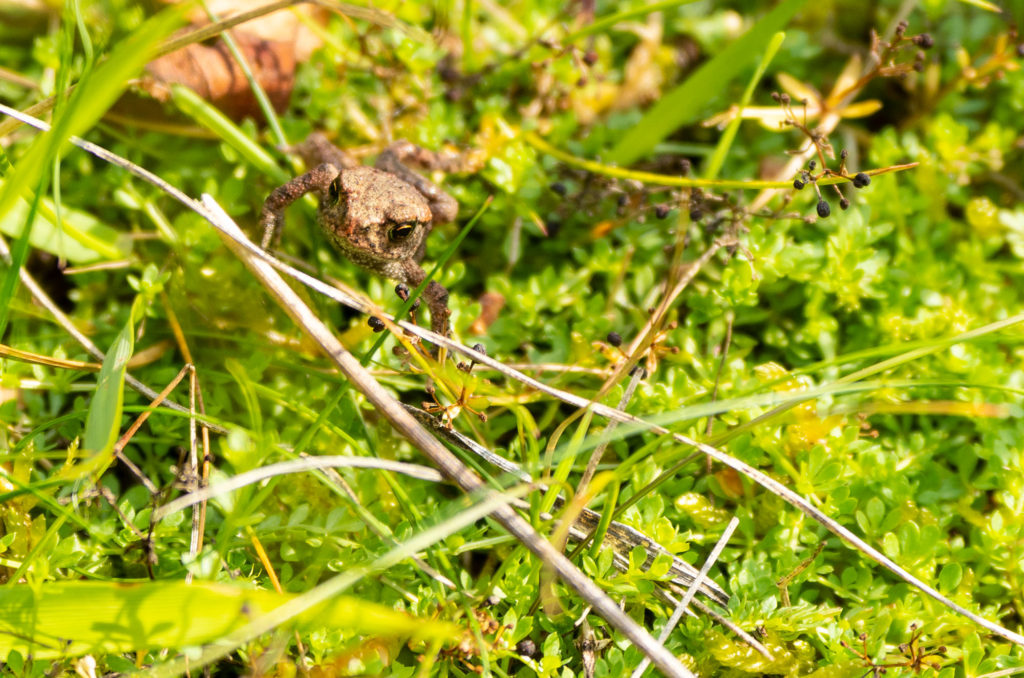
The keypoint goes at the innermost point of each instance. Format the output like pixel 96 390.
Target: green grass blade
pixel 19 254
pixel 330 589
pixel 83 239
pixel 683 104
pixel 207 115
pixel 103 422
pixel 609 21
pixel 91 98
pixel 985 5
pixel 96 92
pixel 725 143
pixel 73 618
pixel 269 114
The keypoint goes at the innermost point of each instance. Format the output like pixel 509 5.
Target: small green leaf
pixel 950 576
pixel 891 545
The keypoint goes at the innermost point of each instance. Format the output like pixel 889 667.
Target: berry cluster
pixel 884 55
pixel 859 180
pixel 823 148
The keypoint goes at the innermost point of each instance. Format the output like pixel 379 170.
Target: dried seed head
pixel 785 99
pixel 924 41
pixel 844 154
pixel 901 28
pixel 590 57
pixel 823 209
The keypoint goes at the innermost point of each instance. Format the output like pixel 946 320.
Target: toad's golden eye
pixel 334 190
pixel 400 232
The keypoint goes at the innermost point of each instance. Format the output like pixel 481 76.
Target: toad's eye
pixel 400 232
pixel 334 190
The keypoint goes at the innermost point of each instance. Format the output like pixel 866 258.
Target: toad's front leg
pixel 434 293
pixel 272 216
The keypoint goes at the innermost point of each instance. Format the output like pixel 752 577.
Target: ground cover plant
pixel 742 278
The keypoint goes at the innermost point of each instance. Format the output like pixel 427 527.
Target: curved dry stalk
pixel 620 537
pixel 214 29
pixel 450 465
pixel 294 466
pixel 238 239
pixel 683 605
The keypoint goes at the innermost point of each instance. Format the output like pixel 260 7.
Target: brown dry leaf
pixel 491 304
pixel 272 45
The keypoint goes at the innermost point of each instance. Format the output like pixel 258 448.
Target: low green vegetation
pixel 804 222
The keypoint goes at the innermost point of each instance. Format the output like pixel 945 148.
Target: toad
pixel 379 217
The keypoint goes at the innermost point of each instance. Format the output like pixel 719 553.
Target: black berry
pixel 844 204
pixel 559 188
pixel 798 185
pixel 860 180
pixel 823 209
pixel 527 648
pixel 661 211
pixel 614 338
pixel 375 323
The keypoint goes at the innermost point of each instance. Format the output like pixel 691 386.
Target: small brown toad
pixel 378 217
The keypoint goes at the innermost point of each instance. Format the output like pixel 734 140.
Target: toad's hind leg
pixel 396 158
pixel 272 215
pixel 316 149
